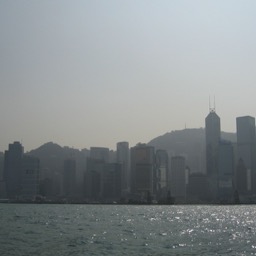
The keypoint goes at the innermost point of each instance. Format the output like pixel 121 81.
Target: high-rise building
pixel 178 178
pixel 30 177
pixel 246 147
pixel 161 175
pixel 69 177
pixel 95 167
pixel 102 181
pixel 241 178
pixel 2 183
pixel 198 189
pixel 111 182
pixel 13 169
pixel 212 137
pixel 1 166
pixel 142 171
pixel 123 158
pixel 225 171
pixel 100 153
pixel 93 178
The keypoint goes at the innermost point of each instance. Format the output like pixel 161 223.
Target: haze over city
pixel 92 73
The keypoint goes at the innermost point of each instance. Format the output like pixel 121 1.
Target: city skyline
pixel 91 73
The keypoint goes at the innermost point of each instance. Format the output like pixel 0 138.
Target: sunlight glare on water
pixel 127 230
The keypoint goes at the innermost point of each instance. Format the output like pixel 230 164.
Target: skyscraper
pixel 162 171
pixel 122 155
pixel 212 137
pixel 246 147
pixel 69 177
pixel 225 171
pixel 95 168
pixel 30 177
pixel 142 170
pixel 100 153
pixel 13 169
pixel 178 178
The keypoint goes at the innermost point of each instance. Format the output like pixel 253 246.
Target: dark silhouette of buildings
pixel 212 136
pixel 225 171
pixel 123 158
pixel 178 178
pixel 142 174
pixel 103 180
pixel 241 178
pixel 246 148
pixel 142 171
pixel 69 178
pixel 21 173
pixel 13 169
pixel 198 188
pixel 30 177
pixel 161 174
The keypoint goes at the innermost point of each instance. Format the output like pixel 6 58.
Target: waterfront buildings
pixel 161 174
pixel 111 182
pixel 69 178
pixel 212 137
pixel 246 148
pixel 241 178
pixel 100 153
pixel 103 180
pixel 21 173
pixel 198 188
pixel 123 158
pixel 178 178
pixel 30 177
pixel 142 171
pixel 225 171
pixel 13 169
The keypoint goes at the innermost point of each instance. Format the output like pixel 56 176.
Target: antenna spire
pixel 212 109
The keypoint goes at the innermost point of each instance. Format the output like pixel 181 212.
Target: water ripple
pixel 127 230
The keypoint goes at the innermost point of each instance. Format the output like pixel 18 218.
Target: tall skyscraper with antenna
pixel 212 137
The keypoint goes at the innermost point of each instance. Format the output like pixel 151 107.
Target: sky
pixel 86 73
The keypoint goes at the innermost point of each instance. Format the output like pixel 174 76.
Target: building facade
pixel 123 158
pixel 100 153
pixel 13 169
pixel 212 138
pixel 246 148
pixel 30 177
pixel 142 171
pixel 162 172
pixel 69 178
pixel 226 171
pixel 178 178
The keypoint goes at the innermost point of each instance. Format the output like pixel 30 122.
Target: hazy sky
pixel 92 73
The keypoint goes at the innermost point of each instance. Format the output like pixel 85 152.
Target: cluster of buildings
pixel 141 174
pixel 231 167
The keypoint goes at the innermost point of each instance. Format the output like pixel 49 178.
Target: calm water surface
pixel 126 230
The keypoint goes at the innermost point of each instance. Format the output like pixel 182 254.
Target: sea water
pixel 59 230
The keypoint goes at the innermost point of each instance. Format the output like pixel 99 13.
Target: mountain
pixel 52 158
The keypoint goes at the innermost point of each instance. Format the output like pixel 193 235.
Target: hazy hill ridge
pixel 187 137
pixel 189 143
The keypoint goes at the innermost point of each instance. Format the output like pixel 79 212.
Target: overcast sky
pixel 92 73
